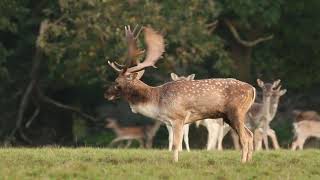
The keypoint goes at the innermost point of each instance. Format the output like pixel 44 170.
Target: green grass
pixel 100 163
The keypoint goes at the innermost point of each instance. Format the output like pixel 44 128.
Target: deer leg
pixel 258 138
pixel 169 127
pixel 235 139
pixel 141 143
pixel 250 141
pixel 115 141
pixel 265 135
pixel 220 136
pixel 273 137
pixel 239 127
pixel 177 138
pixel 128 143
pixel 209 141
pixel 215 134
pixel 300 141
pixel 186 136
pixel 149 142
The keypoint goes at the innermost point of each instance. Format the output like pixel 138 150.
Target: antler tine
pixel 120 65
pixel 135 28
pixel 137 35
pixel 114 66
pixel 133 51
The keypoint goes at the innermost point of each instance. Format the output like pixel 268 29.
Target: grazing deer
pixel 142 134
pixel 306 124
pixel 181 102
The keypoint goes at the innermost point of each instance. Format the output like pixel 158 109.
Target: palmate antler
pixel 133 51
pixel 155 48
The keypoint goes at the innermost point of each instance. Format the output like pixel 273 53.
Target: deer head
pixel 267 88
pixel 128 80
pixel 111 123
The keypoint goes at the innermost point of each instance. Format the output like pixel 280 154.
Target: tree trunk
pixel 242 60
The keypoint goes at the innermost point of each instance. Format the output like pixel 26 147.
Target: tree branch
pixel 244 42
pixel 212 26
pixel 33 117
pixel 66 107
pixel 34 78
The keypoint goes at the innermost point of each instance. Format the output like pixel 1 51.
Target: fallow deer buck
pixel 306 125
pixel 181 102
pixel 143 134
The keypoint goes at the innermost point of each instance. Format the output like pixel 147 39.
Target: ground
pixel 102 163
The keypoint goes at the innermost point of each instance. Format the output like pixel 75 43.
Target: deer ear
pixel 260 83
pixel 174 76
pixel 139 74
pixel 136 75
pixel 282 92
pixel 276 83
pixel 191 76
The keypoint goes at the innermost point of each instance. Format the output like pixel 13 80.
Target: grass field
pixel 99 163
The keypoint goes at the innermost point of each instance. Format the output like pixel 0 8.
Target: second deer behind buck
pixel 181 102
pixel 261 114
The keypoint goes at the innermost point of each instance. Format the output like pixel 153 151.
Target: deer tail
pixel 253 96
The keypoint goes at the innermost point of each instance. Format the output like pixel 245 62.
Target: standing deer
pixel 306 124
pixel 214 126
pixel 181 102
pixel 263 130
pixel 261 114
pixel 175 77
pixel 143 134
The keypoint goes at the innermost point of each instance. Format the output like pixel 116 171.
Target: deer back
pixel 209 98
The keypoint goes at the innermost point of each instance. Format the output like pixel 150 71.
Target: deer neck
pixel 273 108
pixel 266 107
pixel 143 99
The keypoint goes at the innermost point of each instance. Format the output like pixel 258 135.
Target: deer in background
pixel 217 129
pixel 306 125
pixel 143 134
pixel 264 129
pixel 181 102
pixel 261 114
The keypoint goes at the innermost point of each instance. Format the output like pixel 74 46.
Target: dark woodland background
pixel 53 55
